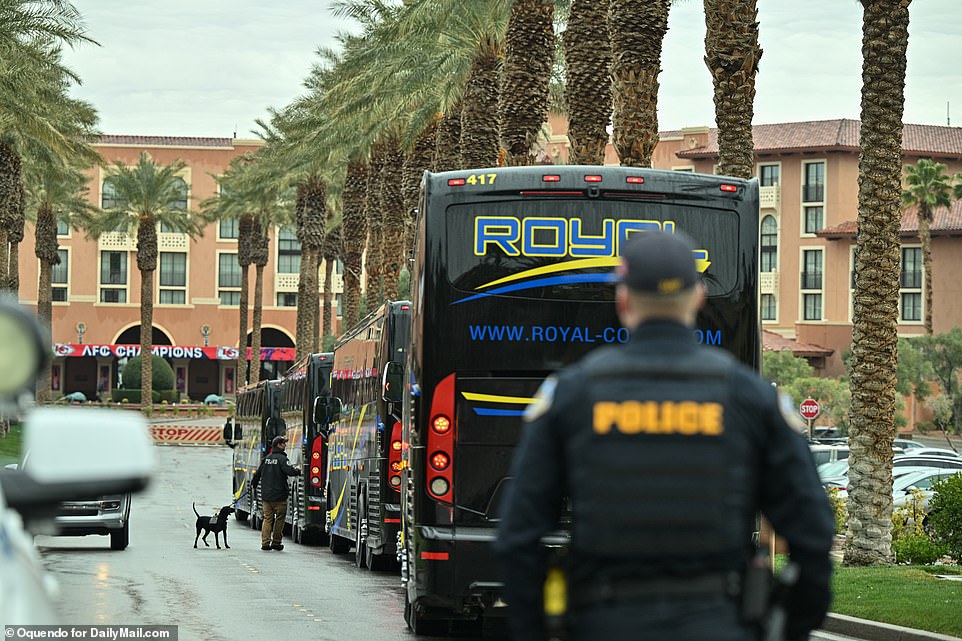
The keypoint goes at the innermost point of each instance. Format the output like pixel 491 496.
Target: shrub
pixel 907 520
pixel 917 550
pixel 839 510
pixel 163 375
pixel 133 396
pixel 945 515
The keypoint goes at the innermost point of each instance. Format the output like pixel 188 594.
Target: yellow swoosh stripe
pixel 491 398
pixel 357 433
pixel 584 263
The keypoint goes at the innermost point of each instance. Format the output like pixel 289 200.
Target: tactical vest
pixel 651 471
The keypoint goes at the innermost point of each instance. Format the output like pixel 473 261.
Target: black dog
pixel 213 524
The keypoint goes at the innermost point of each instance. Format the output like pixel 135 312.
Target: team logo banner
pixel 215 353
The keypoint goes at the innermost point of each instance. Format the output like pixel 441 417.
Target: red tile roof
pixel 945 222
pixel 836 134
pixel 164 141
pixel 774 342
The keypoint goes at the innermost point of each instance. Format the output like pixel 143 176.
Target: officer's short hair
pixel 657 263
pixel 278 440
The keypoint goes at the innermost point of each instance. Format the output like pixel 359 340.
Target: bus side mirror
pixel 393 383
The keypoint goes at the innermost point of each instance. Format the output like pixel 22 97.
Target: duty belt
pixel 610 592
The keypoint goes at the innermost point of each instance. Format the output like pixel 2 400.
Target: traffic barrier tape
pixel 185 435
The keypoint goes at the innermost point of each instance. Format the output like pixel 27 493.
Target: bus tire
pixel 338 545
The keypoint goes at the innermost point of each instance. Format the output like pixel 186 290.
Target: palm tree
pixel 528 61
pixel 732 54
pixel 637 30
pixel 416 162
pixel 260 251
pixel 395 219
pixel 331 251
pixel 375 229
pixel 354 232
pixel 149 194
pixel 875 318
pixel 53 189
pixel 447 149
pixel 928 188
pixel 588 88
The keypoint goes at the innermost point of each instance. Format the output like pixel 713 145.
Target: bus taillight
pixel 317 462
pixel 394 458
pixel 441 435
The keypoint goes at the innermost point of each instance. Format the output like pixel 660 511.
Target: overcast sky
pixel 211 67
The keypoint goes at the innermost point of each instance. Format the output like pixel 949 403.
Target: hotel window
pixel 287 299
pixel 769 175
pixel 228 279
pixel 769 309
pixel 113 277
pixel 769 253
pixel 288 251
pixel 813 190
pixel 180 204
pixel 63 229
pixel 109 197
pixel 173 278
pixel 339 303
pixel 811 284
pixel 910 284
pixel 228 229
pixel 813 219
pixel 59 277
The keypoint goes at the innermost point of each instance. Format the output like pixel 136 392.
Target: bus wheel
pixel 422 626
pixel 360 549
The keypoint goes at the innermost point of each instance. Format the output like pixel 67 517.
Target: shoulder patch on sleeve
pixel 542 399
pixel 786 407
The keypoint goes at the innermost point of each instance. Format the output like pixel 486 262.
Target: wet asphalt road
pixel 236 594
pixel 217 595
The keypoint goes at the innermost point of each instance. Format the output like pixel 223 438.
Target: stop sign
pixel 809 408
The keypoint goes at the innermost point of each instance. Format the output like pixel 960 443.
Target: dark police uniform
pixel 666 450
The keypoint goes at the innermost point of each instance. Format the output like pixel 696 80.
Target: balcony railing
pixel 117 241
pixel 286 282
pixel 811 280
pixel 167 242
pixel 768 282
pixel 769 197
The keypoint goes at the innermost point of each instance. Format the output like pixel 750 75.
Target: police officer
pixel 666 450
pixel 274 470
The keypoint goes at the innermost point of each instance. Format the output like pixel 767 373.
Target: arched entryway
pixel 131 336
pixel 273 337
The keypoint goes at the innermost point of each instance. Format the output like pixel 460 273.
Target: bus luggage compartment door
pixel 489 423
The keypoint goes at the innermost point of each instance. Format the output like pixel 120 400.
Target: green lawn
pixel 903 595
pixel 10 445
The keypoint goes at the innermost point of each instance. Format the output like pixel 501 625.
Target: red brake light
pixel 440 461
pixel 729 188
pixel 551 178
pixel 635 180
pixel 441 424
pixel 592 179
pixel 396 446
pixel 455 182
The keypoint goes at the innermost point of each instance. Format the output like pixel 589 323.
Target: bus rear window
pixel 566 249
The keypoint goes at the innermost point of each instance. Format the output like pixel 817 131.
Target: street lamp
pixel 205 332
pixel 81 329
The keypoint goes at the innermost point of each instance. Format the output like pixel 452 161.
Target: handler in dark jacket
pixel 274 470
pixel 667 450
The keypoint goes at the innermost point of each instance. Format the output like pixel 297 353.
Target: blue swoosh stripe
pixel 545 282
pixel 480 411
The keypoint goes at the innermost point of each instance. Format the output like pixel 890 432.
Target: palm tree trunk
pixel 146 339
pixel 45 317
pixel 637 31
pixel 588 87
pixel 732 54
pixel 13 275
pixel 447 150
pixel 4 258
pixel 304 325
pixel 317 330
pixel 354 230
pixel 925 237
pixel 479 118
pixel 245 292
pixel 392 208
pixel 256 333
pixel 875 319
pixel 328 299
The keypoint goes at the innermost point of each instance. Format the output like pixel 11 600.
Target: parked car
pixel 910 460
pixel 906 444
pixel 68 461
pixel 934 451
pixel 828 453
pixel 104 515
pixel 922 480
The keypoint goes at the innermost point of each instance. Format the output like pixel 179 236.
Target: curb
pixel 877 631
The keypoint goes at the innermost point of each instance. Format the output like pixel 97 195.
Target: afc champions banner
pixel 216 353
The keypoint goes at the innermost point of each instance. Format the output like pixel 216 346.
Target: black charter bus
pixel 513 278
pixel 364 478
pixel 304 410
pixel 257 421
